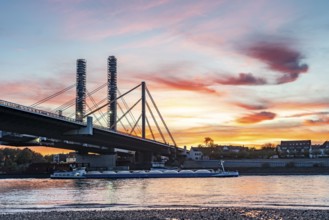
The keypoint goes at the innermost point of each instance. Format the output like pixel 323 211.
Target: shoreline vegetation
pixel 177 214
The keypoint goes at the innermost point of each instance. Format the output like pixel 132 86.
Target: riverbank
pixel 259 171
pixel 206 213
pixel 24 176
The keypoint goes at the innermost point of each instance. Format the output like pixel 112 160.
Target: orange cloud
pixel 256 117
pixel 248 135
pixel 301 105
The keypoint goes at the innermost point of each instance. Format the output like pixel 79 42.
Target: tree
pixel 10 165
pixel 38 158
pixel 209 142
pixel 24 156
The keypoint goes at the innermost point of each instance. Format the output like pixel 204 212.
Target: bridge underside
pixel 55 132
pixel 19 140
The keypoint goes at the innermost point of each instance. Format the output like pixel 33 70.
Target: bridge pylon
pixel 80 102
pixel 112 92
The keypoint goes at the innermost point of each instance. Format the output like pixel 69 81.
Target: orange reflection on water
pixel 245 191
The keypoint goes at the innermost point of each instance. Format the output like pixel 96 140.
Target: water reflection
pixel 253 191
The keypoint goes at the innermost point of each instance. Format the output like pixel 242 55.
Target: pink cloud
pixel 166 76
pixel 184 84
pixel 128 18
pixel 256 117
pixel 241 79
pixel 29 91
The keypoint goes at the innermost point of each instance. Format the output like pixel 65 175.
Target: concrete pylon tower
pixel 80 100
pixel 112 92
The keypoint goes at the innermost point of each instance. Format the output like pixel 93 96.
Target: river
pixel 298 192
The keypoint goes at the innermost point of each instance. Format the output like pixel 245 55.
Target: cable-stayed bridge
pixel 95 126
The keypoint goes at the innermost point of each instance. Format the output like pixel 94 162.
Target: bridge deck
pixel 26 120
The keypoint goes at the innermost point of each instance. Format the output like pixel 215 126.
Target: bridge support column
pixel 143 159
pixel 97 162
pixel 88 130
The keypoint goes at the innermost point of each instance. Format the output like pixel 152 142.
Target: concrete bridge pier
pixel 97 162
pixel 143 159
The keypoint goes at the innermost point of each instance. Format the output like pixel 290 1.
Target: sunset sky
pixel 240 72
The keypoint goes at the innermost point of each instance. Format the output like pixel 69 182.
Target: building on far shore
pixel 71 158
pixel 195 154
pixel 65 158
pixel 233 149
pixel 294 149
pixel 59 158
pixel 318 151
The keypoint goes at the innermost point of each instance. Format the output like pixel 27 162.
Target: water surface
pixel 301 192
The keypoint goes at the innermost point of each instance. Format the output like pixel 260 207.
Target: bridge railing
pixel 37 111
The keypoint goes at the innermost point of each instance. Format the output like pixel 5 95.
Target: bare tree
pixel 268 146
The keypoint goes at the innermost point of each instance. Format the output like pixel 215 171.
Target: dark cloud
pixel 316 122
pixel 241 79
pixel 251 106
pixel 308 114
pixel 279 56
pixel 256 117
pixel 287 78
